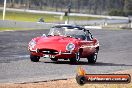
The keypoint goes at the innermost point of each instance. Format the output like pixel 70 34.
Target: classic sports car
pixel 65 42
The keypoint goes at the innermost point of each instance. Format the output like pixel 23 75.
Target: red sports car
pixel 65 42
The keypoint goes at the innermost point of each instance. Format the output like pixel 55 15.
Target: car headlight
pixel 70 47
pixel 32 43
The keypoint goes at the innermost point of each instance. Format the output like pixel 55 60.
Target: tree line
pixel 102 7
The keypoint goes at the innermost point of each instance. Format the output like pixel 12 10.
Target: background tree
pixel 128 7
pixel 105 7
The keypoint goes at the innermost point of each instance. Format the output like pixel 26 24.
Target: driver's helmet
pixel 57 32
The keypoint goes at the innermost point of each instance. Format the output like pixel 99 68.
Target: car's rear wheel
pixel 54 59
pixel 75 60
pixel 34 58
pixel 93 58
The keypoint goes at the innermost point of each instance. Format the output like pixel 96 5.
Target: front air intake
pixel 48 51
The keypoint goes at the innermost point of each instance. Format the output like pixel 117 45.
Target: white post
pixel 4 9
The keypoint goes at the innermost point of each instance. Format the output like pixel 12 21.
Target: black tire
pixel 54 59
pixel 81 80
pixel 92 59
pixel 75 60
pixel 34 58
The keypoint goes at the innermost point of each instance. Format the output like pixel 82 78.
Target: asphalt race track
pixel 15 66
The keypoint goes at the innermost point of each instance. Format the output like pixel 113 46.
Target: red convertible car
pixel 65 42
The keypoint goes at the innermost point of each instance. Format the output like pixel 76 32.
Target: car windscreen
pixel 73 32
pixel 56 31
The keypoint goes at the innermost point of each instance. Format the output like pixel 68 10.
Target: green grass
pixel 3 29
pixel 33 17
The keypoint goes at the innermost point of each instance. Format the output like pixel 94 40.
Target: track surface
pixel 15 66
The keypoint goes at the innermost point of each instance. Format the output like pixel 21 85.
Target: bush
pixel 127 13
pixel 116 12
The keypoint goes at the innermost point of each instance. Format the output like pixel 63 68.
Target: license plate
pixel 49 56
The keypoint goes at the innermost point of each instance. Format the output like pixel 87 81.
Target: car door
pixel 87 45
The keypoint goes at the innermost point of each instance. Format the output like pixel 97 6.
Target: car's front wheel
pixel 75 60
pixel 34 58
pixel 54 59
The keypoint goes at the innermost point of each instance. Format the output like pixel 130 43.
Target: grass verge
pixel 33 17
pixel 15 29
pixel 70 83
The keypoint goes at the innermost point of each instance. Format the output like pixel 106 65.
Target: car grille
pixel 48 51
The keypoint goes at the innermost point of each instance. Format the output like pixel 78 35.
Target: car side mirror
pixel 79 38
pixel 94 40
pixel 44 35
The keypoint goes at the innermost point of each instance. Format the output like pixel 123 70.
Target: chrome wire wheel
pixel 77 56
pixel 76 59
pixel 92 59
pixel 34 58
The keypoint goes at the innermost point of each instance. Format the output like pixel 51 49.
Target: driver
pixel 57 32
